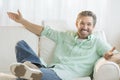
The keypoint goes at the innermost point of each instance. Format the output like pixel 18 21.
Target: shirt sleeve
pixel 51 34
pixel 103 47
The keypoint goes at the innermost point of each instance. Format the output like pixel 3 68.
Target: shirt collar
pixel 90 37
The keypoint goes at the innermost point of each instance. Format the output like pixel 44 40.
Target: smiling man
pixel 85 24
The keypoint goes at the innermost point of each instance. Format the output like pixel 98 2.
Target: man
pixel 75 53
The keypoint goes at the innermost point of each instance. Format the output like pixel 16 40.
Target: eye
pixel 89 24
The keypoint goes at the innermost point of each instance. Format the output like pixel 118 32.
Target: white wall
pixel 112 22
pixel 38 10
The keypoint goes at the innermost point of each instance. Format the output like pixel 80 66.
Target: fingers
pixel 109 54
pixel 111 51
pixel 12 15
pixel 15 16
pixel 8 13
pixel 19 13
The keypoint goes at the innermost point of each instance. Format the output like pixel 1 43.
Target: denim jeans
pixel 25 53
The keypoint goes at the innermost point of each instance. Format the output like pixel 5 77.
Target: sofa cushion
pixel 46 50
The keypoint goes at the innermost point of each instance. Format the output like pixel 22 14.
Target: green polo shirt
pixel 74 57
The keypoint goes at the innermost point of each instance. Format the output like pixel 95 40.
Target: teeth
pixel 84 31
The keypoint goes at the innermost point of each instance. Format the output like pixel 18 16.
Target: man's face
pixel 85 26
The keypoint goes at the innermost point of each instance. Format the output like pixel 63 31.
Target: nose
pixel 85 26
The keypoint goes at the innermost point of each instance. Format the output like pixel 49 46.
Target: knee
pixel 20 42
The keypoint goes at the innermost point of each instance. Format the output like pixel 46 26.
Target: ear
pixel 76 23
pixel 93 27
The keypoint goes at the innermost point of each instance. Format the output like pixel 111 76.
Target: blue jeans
pixel 25 53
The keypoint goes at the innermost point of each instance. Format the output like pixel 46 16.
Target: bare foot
pixel 4 76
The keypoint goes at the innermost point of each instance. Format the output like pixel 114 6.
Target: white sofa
pixel 9 36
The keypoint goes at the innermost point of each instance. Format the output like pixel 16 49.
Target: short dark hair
pixel 88 13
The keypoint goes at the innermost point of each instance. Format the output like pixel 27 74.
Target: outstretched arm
pixel 17 17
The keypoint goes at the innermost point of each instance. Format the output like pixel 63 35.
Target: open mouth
pixel 84 31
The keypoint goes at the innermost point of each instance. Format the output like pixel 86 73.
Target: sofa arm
pixel 82 78
pixel 106 70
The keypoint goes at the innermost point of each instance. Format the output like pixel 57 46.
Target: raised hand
pixel 34 28
pixel 15 16
pixel 109 54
